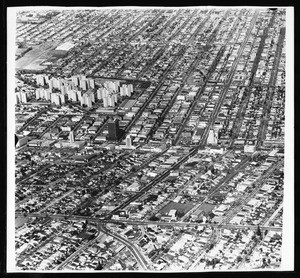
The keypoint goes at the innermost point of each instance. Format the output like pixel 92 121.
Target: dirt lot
pixel 32 59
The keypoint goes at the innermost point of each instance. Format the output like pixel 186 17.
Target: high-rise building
pixel 126 90
pixel 128 141
pixel 105 102
pixel 60 83
pixel 92 96
pixel 83 84
pixel 130 87
pixel 23 97
pixel 51 84
pixel 69 94
pixel 99 94
pixel 88 101
pixel 47 94
pixel 64 89
pixel 71 136
pixel 116 98
pixel 114 132
pixel 18 97
pixel 122 93
pixel 62 98
pixel 55 83
pixel 105 92
pixel 43 93
pixel 112 86
pixel 52 97
pixel 40 80
pixel 79 94
pixel 110 100
pixel 92 83
pixel 37 93
pixel 55 98
pixel 72 95
pixel 212 137
pixel 82 100
pixel 75 80
pixel 46 79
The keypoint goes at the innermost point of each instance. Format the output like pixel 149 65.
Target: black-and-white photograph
pixel 150 139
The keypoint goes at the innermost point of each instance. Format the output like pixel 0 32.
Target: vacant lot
pixel 184 208
pixel 32 59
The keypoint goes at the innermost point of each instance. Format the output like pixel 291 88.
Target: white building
pixel 47 94
pixel 55 98
pixel 92 83
pixel 23 97
pixel 40 80
pixel 128 141
pixel 105 102
pixel 83 84
pixel 249 148
pixel 212 137
pixel 71 136
pixel 75 80
pixel 62 98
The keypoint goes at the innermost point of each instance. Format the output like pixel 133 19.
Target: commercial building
pixel 114 132
pixel 212 137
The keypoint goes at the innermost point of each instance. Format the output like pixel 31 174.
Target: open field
pixel 33 59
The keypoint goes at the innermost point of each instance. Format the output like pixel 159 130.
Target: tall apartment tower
pixel 18 97
pixel 92 83
pixel 83 84
pixel 55 98
pixel 47 94
pixel 40 80
pixel 71 136
pixel 62 98
pixel 23 97
pixel 75 80
pixel 105 102
pixel 37 93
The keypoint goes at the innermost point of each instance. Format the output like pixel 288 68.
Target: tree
pixel 153 218
pixel 266 231
pixel 180 214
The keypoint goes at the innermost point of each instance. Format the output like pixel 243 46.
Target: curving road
pixel 133 249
